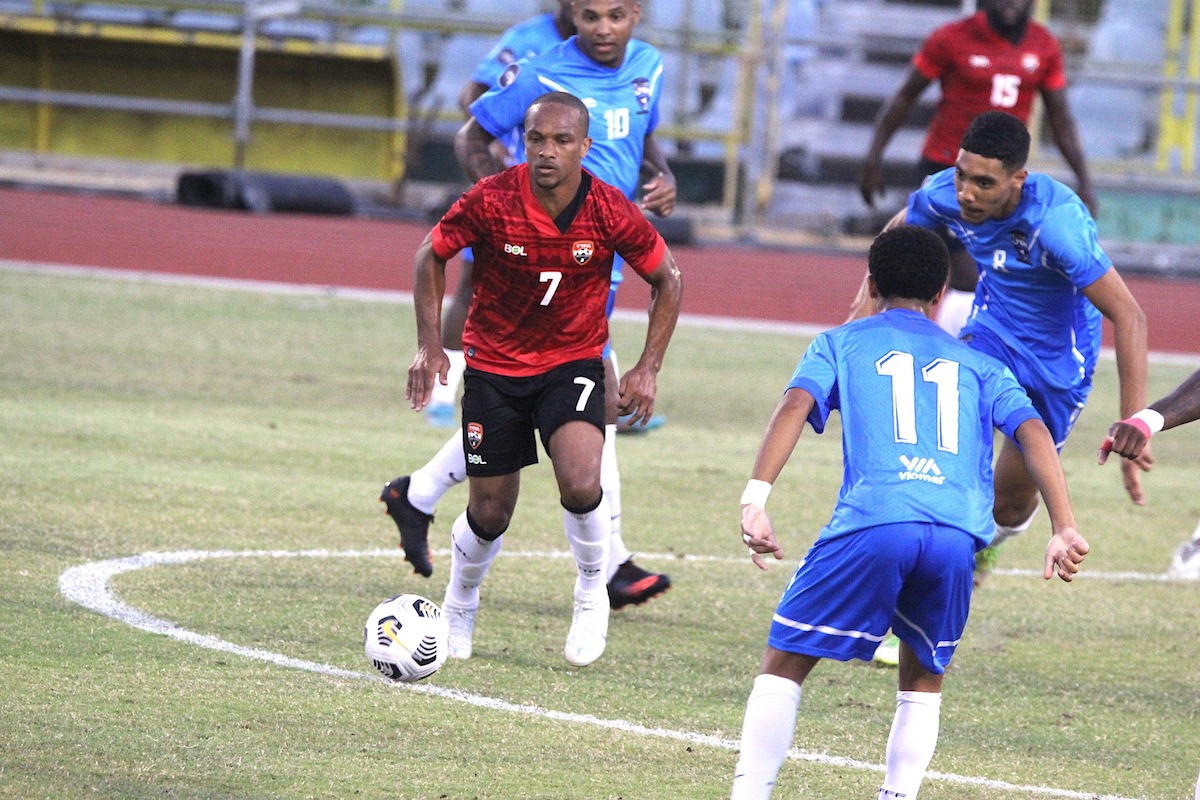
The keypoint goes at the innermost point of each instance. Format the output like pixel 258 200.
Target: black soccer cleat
pixel 413 525
pixel 632 585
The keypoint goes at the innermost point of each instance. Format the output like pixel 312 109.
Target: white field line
pixel 88 586
pixel 405 298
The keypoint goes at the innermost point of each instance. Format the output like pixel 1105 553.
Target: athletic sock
pixel 767 733
pixel 444 471
pixel 610 482
pixel 470 558
pixel 911 743
pixel 589 534
pixel 448 394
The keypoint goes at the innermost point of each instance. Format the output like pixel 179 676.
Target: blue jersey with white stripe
pixel 622 103
pixel 1033 267
pixel 526 39
pixel 918 408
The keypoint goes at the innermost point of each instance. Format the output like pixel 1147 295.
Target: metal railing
pixel 748 142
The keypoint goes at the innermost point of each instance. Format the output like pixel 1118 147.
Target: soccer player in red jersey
pixel 996 60
pixel 544 234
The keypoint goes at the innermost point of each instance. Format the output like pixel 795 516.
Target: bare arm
pixel 639 386
pixel 1113 298
pixel 472 148
pixel 1066 548
pixel 430 363
pixel 890 118
pixel 1066 137
pixel 471 92
pixel 659 192
pixel 1180 407
pixel 783 433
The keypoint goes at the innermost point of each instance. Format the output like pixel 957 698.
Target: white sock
pixel 448 394
pixel 954 310
pixel 1195 534
pixel 470 558
pixel 444 471
pixel 1198 789
pixel 911 743
pixel 610 482
pixel 1004 533
pixel 766 736
pixel 588 535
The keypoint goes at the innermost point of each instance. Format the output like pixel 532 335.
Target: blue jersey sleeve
pixel 501 109
pixel 1011 406
pixel 488 71
pixel 1069 236
pixel 817 374
pixel 523 40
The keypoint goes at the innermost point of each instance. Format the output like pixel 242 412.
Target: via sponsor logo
pixel 921 469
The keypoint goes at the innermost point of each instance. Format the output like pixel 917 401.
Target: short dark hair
pixel 568 100
pixel 999 135
pixel 910 262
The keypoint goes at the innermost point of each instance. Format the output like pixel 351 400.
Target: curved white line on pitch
pixel 87 585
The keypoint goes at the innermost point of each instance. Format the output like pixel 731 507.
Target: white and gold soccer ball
pixel 406 638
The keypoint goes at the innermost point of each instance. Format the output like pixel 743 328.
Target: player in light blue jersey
pixel 525 40
pixel 918 410
pixel 619 79
pixel 622 97
pixel 1044 283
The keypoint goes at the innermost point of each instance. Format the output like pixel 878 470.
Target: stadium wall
pixel 140 62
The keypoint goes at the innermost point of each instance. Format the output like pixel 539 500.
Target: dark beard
pixel 1013 33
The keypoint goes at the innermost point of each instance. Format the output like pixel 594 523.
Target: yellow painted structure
pixel 43 53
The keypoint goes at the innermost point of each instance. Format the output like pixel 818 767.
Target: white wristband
pixel 1152 418
pixel 756 493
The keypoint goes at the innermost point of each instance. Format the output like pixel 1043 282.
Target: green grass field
pixel 138 417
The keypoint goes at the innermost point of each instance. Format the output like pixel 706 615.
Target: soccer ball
pixel 406 638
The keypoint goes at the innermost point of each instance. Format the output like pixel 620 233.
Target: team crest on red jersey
pixel 474 434
pixel 1030 62
pixel 582 251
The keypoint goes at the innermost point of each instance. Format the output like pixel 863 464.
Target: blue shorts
pixel 1058 407
pixel 914 577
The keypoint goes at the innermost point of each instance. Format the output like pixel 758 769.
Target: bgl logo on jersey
pixel 641 91
pixel 582 252
pixel 515 249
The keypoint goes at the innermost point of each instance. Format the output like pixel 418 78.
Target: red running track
pixel 788 285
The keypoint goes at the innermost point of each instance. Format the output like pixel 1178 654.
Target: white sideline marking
pixel 87 585
pixel 405 298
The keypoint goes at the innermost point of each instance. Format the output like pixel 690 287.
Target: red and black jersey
pixel 979 70
pixel 540 294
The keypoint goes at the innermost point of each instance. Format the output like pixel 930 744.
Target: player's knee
pixel 580 495
pixel 488 518
pixel 590 504
pixel 1013 510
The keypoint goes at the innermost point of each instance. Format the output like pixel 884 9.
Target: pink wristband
pixel 1140 424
